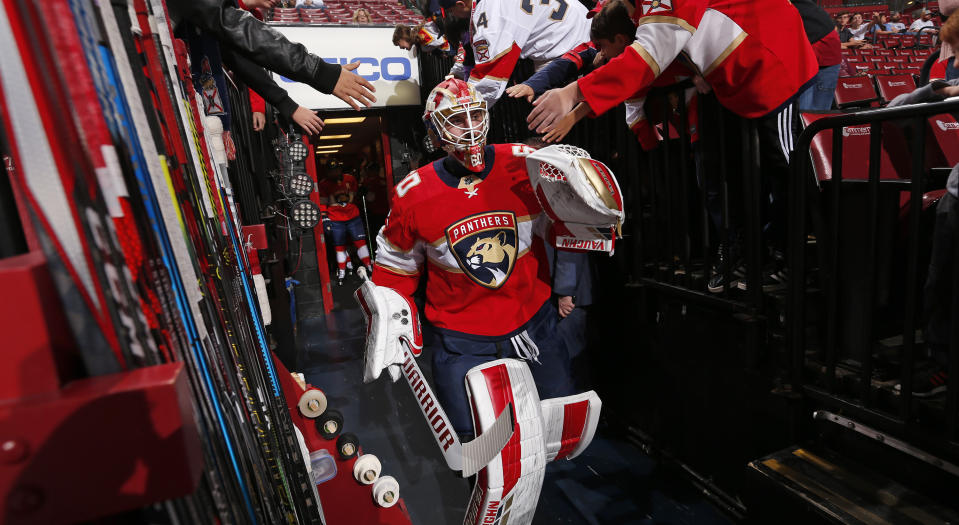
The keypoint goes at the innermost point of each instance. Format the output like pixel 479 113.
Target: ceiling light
pixel 328 146
pixel 335 137
pixel 301 185
pixel 305 214
pixel 348 120
pixel 328 151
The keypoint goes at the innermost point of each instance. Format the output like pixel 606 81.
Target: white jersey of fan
pixel 506 30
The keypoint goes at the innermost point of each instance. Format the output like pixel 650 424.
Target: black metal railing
pixel 855 289
pixel 701 187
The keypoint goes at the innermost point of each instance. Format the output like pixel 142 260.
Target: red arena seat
pixel 855 152
pixel 891 86
pixel 855 92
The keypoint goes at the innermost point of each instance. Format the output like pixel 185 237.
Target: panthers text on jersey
pixel 753 65
pixel 339 207
pixel 488 274
pixel 506 30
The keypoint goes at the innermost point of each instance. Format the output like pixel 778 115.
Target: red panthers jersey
pixel 488 274
pixel 340 208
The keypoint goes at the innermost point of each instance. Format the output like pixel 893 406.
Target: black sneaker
pixel 726 258
pixel 773 279
pixel 928 381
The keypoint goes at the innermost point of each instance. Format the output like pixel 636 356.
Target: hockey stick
pixel 466 458
pixel 366 226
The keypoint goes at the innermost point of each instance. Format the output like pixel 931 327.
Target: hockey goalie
pixel 479 219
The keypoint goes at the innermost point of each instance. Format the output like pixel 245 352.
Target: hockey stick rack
pixel 83 447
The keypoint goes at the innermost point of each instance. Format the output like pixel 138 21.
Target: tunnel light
pixel 297 151
pixel 306 215
pixel 301 185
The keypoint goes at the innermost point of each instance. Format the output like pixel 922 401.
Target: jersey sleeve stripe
pixel 647 57
pixel 717 38
pixel 662 42
pixel 393 269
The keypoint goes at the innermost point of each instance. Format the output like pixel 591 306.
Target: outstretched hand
pixel 559 130
pixel 352 88
pixel 521 91
pixel 308 120
pixel 552 106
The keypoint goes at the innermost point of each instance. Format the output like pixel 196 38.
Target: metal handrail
pixel 801 186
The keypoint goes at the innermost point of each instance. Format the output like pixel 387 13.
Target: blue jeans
pixel 820 93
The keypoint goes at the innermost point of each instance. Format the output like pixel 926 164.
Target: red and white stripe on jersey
pixel 751 69
pixel 513 480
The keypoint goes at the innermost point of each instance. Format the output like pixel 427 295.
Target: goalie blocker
pixel 580 195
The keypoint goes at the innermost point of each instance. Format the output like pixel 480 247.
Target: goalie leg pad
pixel 507 489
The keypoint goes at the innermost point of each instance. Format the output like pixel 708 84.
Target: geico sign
pixel 389 68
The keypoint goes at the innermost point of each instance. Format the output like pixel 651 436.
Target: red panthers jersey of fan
pixel 755 55
pixel 339 207
pixel 488 274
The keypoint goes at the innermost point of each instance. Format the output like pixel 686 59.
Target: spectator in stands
pixel 879 25
pixel 425 36
pixel 931 377
pixel 857 29
pixel 924 23
pixel 824 38
pixel 361 16
pixel 847 41
pixel 895 23
pixel 310 4
pixel 843 19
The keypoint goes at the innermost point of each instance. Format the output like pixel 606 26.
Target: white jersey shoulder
pixel 541 30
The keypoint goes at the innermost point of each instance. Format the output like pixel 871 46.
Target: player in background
pixel 473 221
pixel 503 31
pixel 337 191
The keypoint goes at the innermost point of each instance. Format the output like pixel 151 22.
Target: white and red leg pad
pixel 508 489
pixel 391 321
pixel 570 424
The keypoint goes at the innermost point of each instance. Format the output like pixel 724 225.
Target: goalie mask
pixel 457 120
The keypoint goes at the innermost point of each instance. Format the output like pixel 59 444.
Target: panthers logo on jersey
pixel 485 246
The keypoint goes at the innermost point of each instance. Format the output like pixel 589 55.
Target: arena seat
pixel 945 132
pixel 855 152
pixel 855 92
pixel 891 86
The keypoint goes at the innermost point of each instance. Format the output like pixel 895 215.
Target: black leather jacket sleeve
pixel 257 79
pixel 239 31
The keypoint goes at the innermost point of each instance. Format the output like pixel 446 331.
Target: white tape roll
pixel 312 403
pixel 367 469
pixel 386 491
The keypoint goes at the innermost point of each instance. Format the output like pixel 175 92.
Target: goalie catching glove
pixel 391 321
pixel 580 195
